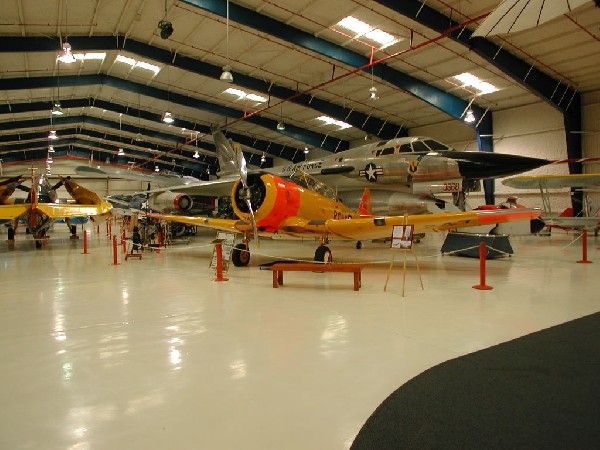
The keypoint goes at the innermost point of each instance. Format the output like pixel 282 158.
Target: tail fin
pixel 80 194
pixel 364 207
pixel 7 188
pixel 226 154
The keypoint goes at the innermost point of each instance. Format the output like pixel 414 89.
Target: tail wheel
pixel 358 245
pixel 323 254
pixel 240 255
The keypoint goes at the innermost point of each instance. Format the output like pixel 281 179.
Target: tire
pixel 358 245
pixel 240 256
pixel 11 234
pixel 323 254
pixel 38 244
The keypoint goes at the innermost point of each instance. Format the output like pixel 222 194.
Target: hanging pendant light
pixel 226 76
pixel 168 117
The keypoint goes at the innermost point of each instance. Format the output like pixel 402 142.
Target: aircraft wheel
pixel 11 234
pixel 323 254
pixel 358 245
pixel 240 256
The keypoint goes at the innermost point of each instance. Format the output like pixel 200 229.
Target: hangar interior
pixel 152 352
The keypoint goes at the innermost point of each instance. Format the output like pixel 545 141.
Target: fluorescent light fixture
pixel 196 154
pixel 52 135
pixel 364 30
pixel 57 109
pixel 66 55
pixel 468 79
pixel 330 121
pixel 168 117
pixel 226 76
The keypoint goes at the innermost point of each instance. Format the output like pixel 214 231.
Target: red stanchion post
pixel 219 250
pixel 584 259
pixel 85 242
pixel 115 255
pixel 482 285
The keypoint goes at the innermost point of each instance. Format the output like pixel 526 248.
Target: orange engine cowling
pixel 272 199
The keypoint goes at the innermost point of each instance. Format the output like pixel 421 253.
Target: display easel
pixel 402 239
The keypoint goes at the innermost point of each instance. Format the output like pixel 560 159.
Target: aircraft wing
pixel 553 181
pixel 13 211
pixel 214 188
pixel 161 179
pixel 364 228
pixel 58 210
pixel 571 222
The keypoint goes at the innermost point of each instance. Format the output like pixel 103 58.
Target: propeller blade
pixel 241 165
pixel 254 228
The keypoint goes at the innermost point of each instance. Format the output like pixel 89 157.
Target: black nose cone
pixel 485 165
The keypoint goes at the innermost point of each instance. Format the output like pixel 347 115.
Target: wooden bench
pixel 279 268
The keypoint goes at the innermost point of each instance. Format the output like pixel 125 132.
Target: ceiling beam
pixel 444 101
pixel 359 120
pixel 261 145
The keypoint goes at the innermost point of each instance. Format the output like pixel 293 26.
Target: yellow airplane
pixel 41 207
pixel 270 206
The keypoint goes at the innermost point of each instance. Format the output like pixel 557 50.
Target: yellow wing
pixel 365 228
pixel 59 210
pixel 13 211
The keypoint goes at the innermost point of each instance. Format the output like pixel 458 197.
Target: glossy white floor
pixel 152 354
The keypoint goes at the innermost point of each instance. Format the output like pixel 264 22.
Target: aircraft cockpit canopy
pixel 307 181
pixel 417 145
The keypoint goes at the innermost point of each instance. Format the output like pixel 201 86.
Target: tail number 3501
pixel 451 187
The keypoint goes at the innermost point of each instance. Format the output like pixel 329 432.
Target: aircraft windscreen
pixel 419 146
pixel 305 180
pixel 435 145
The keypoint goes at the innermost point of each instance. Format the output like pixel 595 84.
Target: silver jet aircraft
pixel 403 174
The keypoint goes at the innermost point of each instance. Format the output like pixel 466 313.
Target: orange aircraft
pixel 270 206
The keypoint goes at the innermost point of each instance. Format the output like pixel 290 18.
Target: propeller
pixel 243 171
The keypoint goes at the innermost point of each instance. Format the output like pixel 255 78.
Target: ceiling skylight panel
pixel 353 24
pixel 331 121
pixel 138 64
pixel 364 30
pixel 468 79
pixel 243 95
